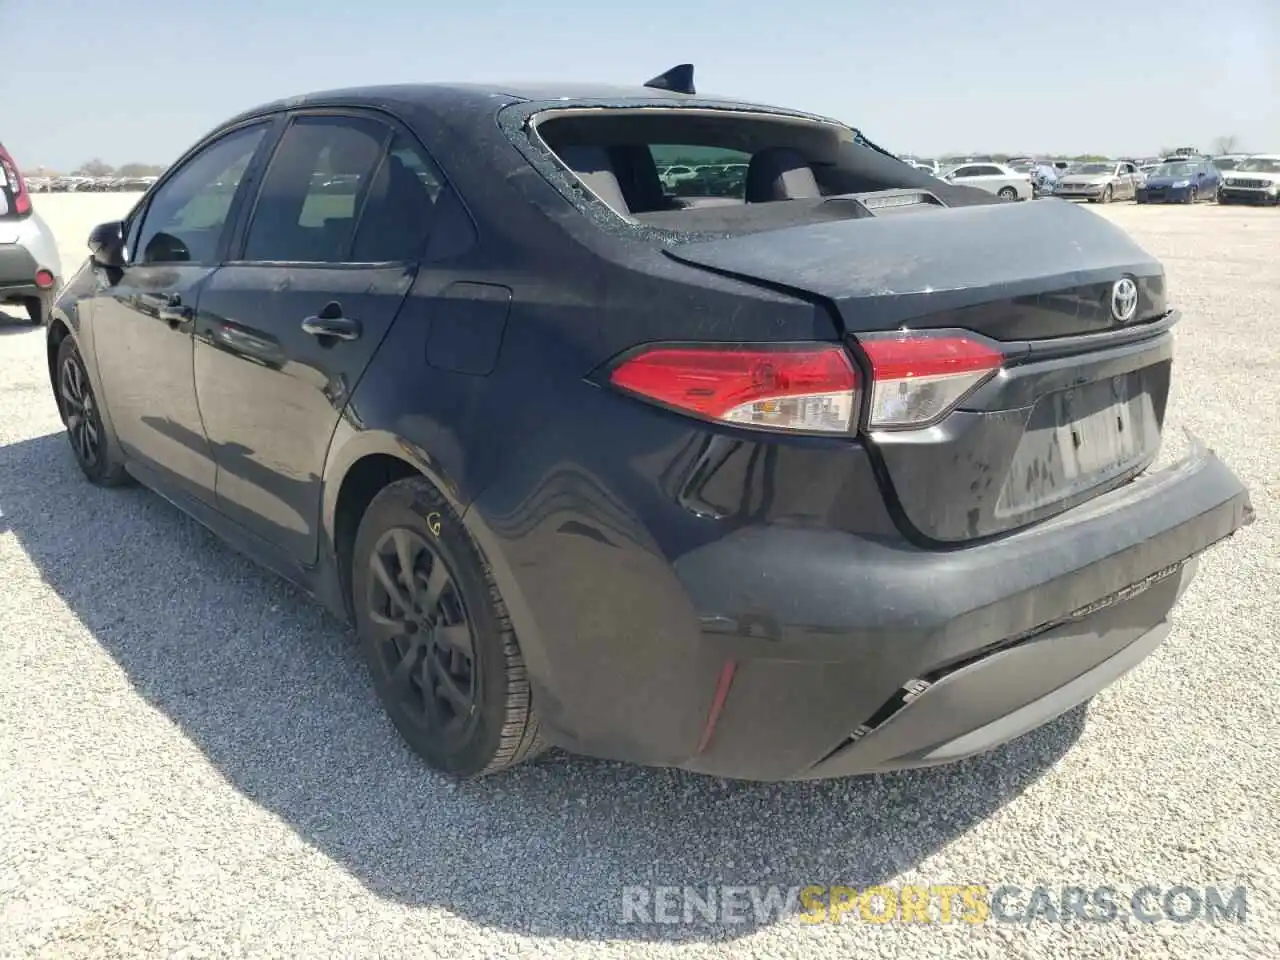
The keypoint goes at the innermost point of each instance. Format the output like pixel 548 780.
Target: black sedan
pixel 843 470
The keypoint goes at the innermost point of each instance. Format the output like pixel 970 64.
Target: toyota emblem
pixel 1124 300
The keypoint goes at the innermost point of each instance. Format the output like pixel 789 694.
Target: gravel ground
pixel 192 761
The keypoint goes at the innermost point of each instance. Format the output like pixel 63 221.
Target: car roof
pixel 488 97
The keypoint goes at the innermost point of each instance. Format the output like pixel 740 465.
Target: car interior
pixel 812 165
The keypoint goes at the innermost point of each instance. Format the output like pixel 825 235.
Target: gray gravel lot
pixel 192 761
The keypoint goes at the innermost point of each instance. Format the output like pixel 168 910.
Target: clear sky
pixel 141 79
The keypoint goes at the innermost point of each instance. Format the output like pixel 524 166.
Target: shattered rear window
pixel 703 169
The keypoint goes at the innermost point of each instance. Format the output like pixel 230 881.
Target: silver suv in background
pixel 30 270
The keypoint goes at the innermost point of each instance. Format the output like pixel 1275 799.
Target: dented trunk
pixel 1077 408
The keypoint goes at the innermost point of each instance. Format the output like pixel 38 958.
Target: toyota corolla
pixel 846 471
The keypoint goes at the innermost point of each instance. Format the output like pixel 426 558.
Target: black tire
pixel 1007 193
pixel 1107 194
pixel 95 451
pixel 1193 195
pixel 464 714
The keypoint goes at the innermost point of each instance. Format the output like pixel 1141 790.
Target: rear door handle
pixel 340 328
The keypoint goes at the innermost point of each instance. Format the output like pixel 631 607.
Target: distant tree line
pixel 97 168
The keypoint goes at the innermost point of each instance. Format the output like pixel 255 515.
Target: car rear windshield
pixel 699 170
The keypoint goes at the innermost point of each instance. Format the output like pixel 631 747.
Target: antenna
pixel 679 79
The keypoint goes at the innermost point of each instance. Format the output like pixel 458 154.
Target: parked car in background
pixel 927 165
pixel 30 268
pixel 1181 181
pixel 994 178
pixel 665 483
pixel 1099 182
pixel 1228 161
pixel 677 174
pixel 1044 178
pixel 1255 179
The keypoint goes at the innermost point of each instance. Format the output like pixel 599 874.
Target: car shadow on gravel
pixel 11 323
pixel 274 694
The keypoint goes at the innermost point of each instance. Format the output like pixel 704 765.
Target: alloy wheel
pixel 424 637
pixel 80 410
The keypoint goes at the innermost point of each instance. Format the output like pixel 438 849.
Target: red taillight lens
pixel 916 379
pixel 44 279
pixel 809 388
pixel 17 186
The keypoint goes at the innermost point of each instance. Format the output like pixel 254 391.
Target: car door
pixel 1212 180
pixel 989 178
pixel 144 314
pixel 963 175
pixel 327 255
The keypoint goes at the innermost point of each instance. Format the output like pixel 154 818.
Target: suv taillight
pixel 916 379
pixel 17 186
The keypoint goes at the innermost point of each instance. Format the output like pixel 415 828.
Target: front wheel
pixel 435 632
pixel 1193 195
pixel 1107 194
pixel 1007 193
pixel 80 411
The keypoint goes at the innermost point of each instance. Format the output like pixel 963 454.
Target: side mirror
pixel 106 244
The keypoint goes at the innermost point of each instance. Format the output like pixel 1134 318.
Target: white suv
pixel 30 271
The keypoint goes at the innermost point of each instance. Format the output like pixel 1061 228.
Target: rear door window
pixel 399 212
pixel 314 189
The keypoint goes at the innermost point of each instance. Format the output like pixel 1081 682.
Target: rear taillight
pixel 811 388
pixel 918 379
pixel 17 186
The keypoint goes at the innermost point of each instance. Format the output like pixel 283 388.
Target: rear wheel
pixel 435 633
pixel 93 451
pixel 1007 193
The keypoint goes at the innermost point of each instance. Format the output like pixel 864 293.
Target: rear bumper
pixel 18 280
pixel 816 653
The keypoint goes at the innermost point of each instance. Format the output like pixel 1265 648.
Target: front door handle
pixel 331 323
pixel 172 311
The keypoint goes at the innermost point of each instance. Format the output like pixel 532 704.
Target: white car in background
pixel 995 178
pixel 1255 179
pixel 673 176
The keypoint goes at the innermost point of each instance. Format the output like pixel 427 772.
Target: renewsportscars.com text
pixel 937 903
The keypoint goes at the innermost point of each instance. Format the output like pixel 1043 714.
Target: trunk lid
pixel 1079 405
pixel 1010 271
